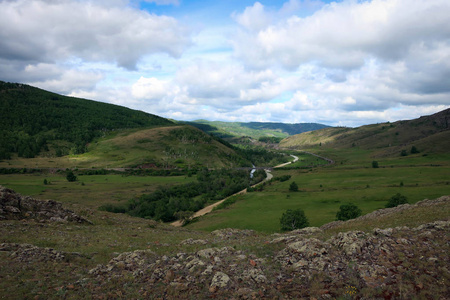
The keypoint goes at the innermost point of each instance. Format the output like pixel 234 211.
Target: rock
pixel 220 280
pixel 207 253
pixel 194 242
pixel 15 206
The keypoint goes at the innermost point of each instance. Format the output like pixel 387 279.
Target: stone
pixel 220 280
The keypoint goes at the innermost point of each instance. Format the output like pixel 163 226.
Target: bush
pixel 293 187
pixel 293 219
pixel 348 211
pixel 414 150
pixel 71 177
pixel 375 164
pixel 396 200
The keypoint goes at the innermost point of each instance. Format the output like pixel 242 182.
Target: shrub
pixel 396 200
pixel 71 177
pixel 293 187
pixel 375 164
pixel 293 219
pixel 404 153
pixel 348 211
pixel 414 150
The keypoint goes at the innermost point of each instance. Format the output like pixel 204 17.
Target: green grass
pixel 96 191
pixel 323 190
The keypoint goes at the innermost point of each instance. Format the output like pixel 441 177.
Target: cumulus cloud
pixel 49 31
pixel 343 35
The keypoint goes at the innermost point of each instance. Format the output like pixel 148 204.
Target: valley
pixel 133 179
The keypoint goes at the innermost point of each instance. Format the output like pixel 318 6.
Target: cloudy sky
pixel 344 63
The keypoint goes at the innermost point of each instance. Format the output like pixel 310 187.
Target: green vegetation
pixel 33 120
pixel 347 212
pixel 293 187
pixel 70 177
pixel 396 200
pixel 293 219
pixel 428 133
pixel 264 132
pixel 325 189
pixel 168 203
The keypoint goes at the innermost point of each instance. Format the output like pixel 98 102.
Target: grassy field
pixel 323 190
pixel 89 191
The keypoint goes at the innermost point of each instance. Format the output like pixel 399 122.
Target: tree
pixel 293 187
pixel 293 219
pixel 414 150
pixel 375 164
pixel 71 177
pixel 184 216
pixel 396 200
pixel 404 153
pixel 348 211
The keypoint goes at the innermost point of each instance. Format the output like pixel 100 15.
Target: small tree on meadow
pixel 293 187
pixel 293 219
pixel 71 177
pixel 414 150
pixel 375 164
pixel 396 200
pixel 348 211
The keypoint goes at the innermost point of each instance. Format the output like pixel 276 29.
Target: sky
pixel 339 63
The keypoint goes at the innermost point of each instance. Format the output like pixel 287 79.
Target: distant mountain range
pixel 256 130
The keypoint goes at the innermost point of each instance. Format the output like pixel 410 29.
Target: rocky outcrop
pixel 14 206
pixel 386 263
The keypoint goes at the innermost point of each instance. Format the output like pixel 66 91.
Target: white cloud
pixel 37 30
pixel 343 35
pixel 344 63
pixel 149 88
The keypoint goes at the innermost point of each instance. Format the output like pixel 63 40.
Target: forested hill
pixel 31 119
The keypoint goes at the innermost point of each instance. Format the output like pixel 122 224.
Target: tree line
pixel 166 203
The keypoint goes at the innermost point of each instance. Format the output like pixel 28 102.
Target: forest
pixel 32 120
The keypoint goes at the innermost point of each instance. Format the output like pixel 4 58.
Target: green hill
pixel 33 121
pixel 426 134
pixel 255 130
pixel 160 147
pixel 40 129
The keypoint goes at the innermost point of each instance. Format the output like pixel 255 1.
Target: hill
pixel 399 253
pixel 255 130
pixel 427 134
pixel 43 129
pixel 161 147
pixel 34 121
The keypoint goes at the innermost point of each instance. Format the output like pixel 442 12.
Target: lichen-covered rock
pixel 220 280
pixel 15 207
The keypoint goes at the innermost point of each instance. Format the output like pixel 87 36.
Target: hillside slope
pixel 34 120
pixel 393 254
pixel 427 133
pixel 162 147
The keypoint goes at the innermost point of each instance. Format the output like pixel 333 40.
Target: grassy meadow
pixel 89 191
pixel 323 190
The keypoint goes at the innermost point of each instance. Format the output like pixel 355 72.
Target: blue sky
pixel 345 63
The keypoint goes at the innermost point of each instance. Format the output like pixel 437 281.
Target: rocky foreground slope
pixel 311 263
